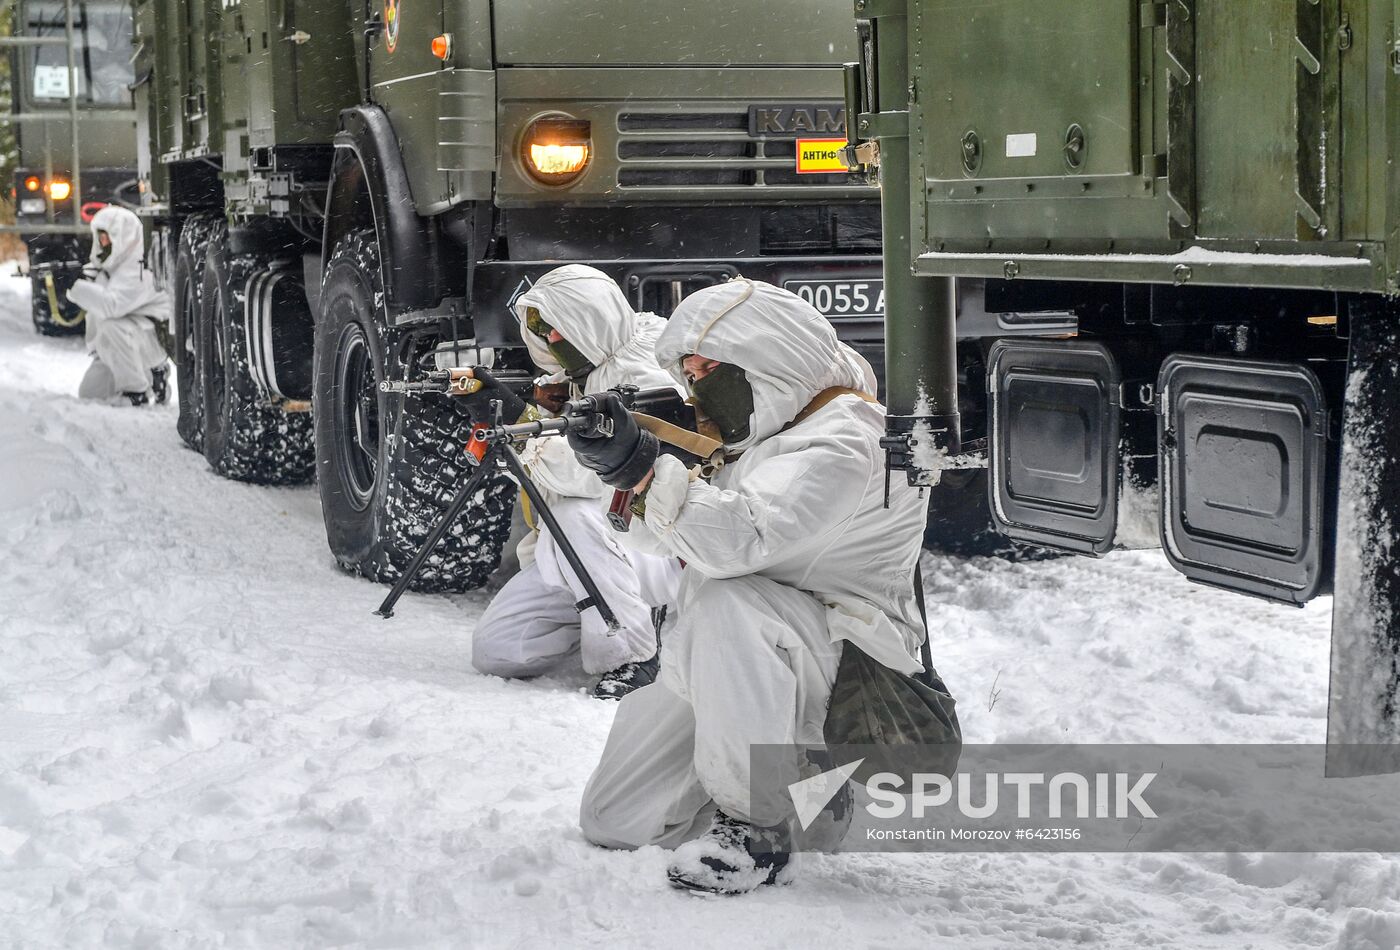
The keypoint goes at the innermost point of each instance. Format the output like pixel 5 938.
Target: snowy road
pixel 206 740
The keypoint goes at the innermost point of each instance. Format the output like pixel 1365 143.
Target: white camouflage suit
pixel 788 552
pixel 122 305
pixel 531 624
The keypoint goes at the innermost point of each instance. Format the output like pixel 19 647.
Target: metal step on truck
pixel 347 193
pixel 1209 186
pixel 74 122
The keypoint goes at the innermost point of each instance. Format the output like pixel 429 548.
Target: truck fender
pixel 369 187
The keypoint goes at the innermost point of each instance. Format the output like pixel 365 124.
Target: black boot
pixel 731 858
pixel 617 683
pixel 160 385
pixel 137 399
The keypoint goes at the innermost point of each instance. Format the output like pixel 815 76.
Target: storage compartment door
pixel 1243 455
pixel 1053 451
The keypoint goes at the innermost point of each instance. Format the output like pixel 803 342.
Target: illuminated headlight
pixel 59 190
pixel 31 206
pixel 556 149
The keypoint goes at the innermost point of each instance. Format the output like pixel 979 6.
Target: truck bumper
pixel 658 285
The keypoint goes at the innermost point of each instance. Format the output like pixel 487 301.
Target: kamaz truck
pixel 71 109
pixel 1210 188
pixel 344 193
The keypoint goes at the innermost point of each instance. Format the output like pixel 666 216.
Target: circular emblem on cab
pixel 391 23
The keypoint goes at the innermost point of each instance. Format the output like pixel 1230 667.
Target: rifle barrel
pixel 522 431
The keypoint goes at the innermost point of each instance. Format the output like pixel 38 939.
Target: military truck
pixel 344 194
pixel 1209 187
pixel 74 123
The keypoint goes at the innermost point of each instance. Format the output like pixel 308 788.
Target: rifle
pixel 53 267
pixel 459 381
pixel 662 412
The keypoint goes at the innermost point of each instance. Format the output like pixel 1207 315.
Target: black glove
pixel 478 404
pixel 623 458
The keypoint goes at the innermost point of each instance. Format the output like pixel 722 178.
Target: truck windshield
pixel 101 48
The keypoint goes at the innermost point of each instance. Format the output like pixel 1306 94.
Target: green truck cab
pixel 1209 187
pixel 351 193
pixel 74 122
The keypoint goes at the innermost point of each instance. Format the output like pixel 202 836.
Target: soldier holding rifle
pixel 582 333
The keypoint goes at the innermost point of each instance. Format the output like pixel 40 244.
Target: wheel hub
pixel 356 408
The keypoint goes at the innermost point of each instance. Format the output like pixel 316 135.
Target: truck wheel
pixel 387 465
pixel 68 321
pixel 188 293
pixel 1363 716
pixel 246 437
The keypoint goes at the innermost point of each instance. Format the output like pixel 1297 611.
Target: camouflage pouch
pixel 885 713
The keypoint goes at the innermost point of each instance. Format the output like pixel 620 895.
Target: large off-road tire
pixel 246 436
pixel 388 464
pixel 188 294
pixel 68 321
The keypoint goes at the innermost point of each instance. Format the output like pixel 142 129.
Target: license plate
pixel 842 299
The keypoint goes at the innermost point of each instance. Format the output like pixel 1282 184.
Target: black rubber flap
pixel 1054 443
pixel 1243 452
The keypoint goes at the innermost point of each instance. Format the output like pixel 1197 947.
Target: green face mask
pixel 726 397
pixel 570 359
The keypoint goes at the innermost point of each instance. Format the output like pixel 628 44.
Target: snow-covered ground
pixel 207 740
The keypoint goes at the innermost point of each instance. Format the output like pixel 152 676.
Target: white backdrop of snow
pixel 207 740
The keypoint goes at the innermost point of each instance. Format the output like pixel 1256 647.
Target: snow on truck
pixel 346 193
pixel 1209 187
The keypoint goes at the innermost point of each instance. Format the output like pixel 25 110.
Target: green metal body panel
pixel 269 73
pixel 647 33
pixel 1222 142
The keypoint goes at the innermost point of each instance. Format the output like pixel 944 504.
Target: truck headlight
pixel 31 206
pixel 556 149
pixel 59 190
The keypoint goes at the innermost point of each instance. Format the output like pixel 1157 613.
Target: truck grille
pixel 709 148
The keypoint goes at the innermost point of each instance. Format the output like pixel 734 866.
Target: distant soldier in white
pixel 789 551
pixel 581 331
pixel 123 306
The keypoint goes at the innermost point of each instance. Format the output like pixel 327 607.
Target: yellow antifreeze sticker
pixel 819 156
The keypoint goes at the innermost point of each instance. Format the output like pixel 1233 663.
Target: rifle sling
pixel 707 449
pixel 821 399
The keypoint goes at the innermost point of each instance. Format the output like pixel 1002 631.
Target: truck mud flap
pixel 1054 450
pixel 1243 461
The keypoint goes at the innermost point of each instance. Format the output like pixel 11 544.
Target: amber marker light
pixel 59 190
pixel 31 184
pixel 442 46
pixel 556 149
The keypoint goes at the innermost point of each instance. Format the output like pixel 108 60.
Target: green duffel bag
pixel 896 722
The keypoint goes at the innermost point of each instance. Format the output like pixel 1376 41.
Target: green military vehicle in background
pixel 346 193
pixel 74 122
pixel 1209 186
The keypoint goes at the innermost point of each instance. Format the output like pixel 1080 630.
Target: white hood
pixel 788 350
pixel 124 229
pixel 587 308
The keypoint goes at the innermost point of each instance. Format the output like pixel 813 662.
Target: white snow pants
pixel 750 662
pixel 125 350
pixel 531 623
